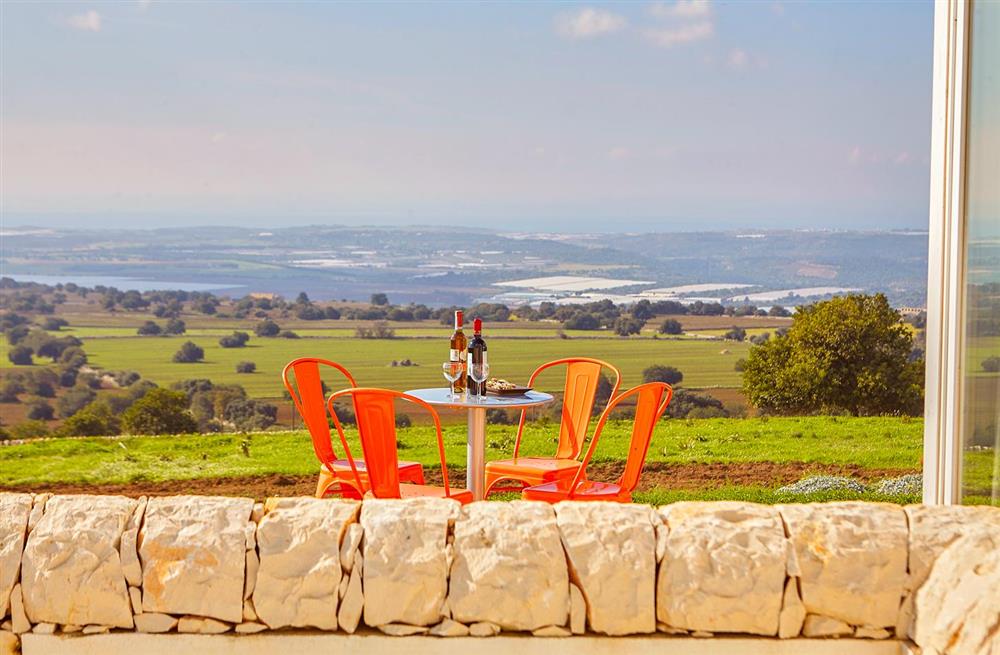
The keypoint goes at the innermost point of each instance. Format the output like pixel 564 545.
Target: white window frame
pixel 946 257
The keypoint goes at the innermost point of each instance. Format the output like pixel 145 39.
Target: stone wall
pixel 93 564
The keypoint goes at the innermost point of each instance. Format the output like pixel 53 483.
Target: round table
pixel 477 406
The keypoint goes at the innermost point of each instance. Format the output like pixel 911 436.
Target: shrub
pixel 671 326
pixel 735 334
pixel 190 387
pixel 379 299
pixel 660 373
pixel 288 334
pixel 53 324
pixel 29 430
pixel 331 313
pixel 403 421
pixel 760 339
pixel 159 412
pixel 175 326
pixel 267 328
pixel 627 325
pixel 39 410
pixel 189 353
pixel 250 414
pixel 246 367
pixel 378 330
pixel 497 416
pixel 74 400
pixel 582 321
pixel 21 355
pixel 9 392
pixel 97 419
pixel 17 334
pixel 149 329
pixel 41 387
pixel 310 313
pixel 689 404
pixel 235 340
pixel 992 364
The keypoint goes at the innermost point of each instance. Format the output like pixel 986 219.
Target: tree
pixel 302 298
pixel 626 325
pixel 53 324
pixel 689 404
pixel 175 326
pixel 74 400
pixel 582 321
pixel 660 373
pixel 846 354
pixel 160 411
pixel 39 410
pixel 8 394
pixel 246 367
pixel 21 355
pixel 97 419
pixel 671 326
pixel 735 334
pixel 778 310
pixel 189 353
pixel 235 340
pixel 250 414
pixel 992 364
pixel 149 329
pixel 267 328
pixel 644 310
pixel 379 299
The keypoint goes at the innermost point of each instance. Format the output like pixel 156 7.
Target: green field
pixel 702 362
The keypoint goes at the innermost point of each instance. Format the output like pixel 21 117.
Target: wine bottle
pixel 477 355
pixel 457 354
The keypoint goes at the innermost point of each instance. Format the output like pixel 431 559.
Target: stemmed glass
pixel 452 372
pixel 479 373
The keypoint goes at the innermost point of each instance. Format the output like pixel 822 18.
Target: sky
pixel 663 116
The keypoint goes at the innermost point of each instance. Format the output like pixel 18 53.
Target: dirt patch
pixel 655 475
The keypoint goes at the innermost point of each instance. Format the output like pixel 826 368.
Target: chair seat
pixel 546 468
pixel 552 492
pixel 345 465
pixel 463 496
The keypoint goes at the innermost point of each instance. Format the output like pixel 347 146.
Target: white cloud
pixel 618 153
pixel 144 4
pixel 902 158
pixel 89 21
pixel 588 22
pixel 671 36
pixel 855 155
pixel 737 59
pixel 681 9
pixel 218 137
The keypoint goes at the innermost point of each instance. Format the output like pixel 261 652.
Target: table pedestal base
pixel 475 461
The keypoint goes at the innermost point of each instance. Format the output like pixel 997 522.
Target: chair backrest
pixel 652 401
pixel 376 419
pixel 579 393
pixel 310 401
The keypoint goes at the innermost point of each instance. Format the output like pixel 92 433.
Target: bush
pixel 17 334
pixel 29 430
pixel 760 339
pixel 267 328
pixel 189 353
pixel 53 324
pixel 190 387
pixel 175 326
pixel 39 410
pixel 992 364
pixel 21 356
pixel 659 373
pixel 689 404
pixel 159 412
pixel 97 419
pixel 288 334
pixel 627 325
pixel 671 326
pixel 379 330
pixel 379 299
pixel 73 358
pixel 582 321
pixel 149 329
pixel 235 340
pixel 74 400
pixel 849 354
pixel 310 313
pixel 249 414
pixel 735 334
pixel 497 416
pixel 403 421
pixel 9 392
pixel 246 367
pixel 54 348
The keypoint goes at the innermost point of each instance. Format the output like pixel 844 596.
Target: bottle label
pixel 453 356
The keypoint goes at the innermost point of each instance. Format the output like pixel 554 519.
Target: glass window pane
pixel 981 461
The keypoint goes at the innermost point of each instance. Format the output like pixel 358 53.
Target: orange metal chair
pixel 582 375
pixel 307 394
pixel 376 415
pixel 652 402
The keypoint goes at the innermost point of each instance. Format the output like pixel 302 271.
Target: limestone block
pixel 95 629
pixel 793 612
pixel 702 634
pixel 129 549
pixel 853 559
pixel 724 570
pixel 352 541
pixel 9 643
pixel 577 610
pixel 551 631
pixel 299 544
pixel 249 611
pixel 817 625
pixel 352 603
pixel 251 535
pixel 203 626
pixel 251 572
pixel 250 628
pixel 37 509
pixel 70 629
pixel 6 625
pixel 958 606
pixel 484 629
pixel 402 629
pixel 406 575
pixel 868 632
pixel 44 629
pixel 193 550
pixel 135 596
pixel 257 513
pixel 19 620
pixel 342 588
pixel 14 511
pixel 509 566
pixel 669 629
pixel 71 571
pixel 611 550
pixel 450 628
pixel 154 622
pixel 932 529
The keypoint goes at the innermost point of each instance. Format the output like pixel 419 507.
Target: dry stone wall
pixel 81 565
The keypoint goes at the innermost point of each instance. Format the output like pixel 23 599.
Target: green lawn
pixel 703 363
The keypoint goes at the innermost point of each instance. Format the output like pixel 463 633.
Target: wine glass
pixel 479 372
pixel 452 372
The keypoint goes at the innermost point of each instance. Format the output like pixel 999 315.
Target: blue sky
pixel 628 116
